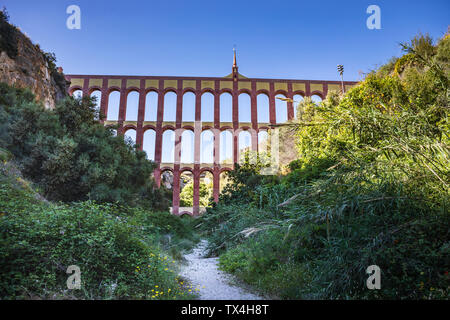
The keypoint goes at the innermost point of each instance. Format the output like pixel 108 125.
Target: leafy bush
pixel 71 156
pixel 370 187
pixel 116 248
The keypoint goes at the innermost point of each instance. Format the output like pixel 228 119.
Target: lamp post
pixel 340 69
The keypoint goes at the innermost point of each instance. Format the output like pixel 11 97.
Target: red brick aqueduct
pixel 234 84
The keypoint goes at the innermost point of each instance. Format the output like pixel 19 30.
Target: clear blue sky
pixel 280 39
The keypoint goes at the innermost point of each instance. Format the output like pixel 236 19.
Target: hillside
pixel 24 65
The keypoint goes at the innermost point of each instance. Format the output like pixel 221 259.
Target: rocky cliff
pixel 24 64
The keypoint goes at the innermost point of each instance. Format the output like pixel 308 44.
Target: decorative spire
pixel 235 67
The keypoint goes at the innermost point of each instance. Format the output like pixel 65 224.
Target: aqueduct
pixel 198 139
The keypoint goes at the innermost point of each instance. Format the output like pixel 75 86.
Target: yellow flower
pixel 166 269
pixel 156 286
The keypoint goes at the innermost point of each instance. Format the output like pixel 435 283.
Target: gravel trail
pixel 203 273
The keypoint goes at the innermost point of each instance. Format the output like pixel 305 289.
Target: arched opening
pixel 168 146
pixel 245 143
pixel 207 103
pixel 77 94
pixel 280 109
pixel 316 99
pixel 226 107
pixel 186 189
pixel 188 114
pixel 296 104
pixel 187 147
pixel 245 110
pixel 207 147
pixel 113 106
pixel 262 103
pixel 170 106
pixel 263 141
pixel 223 180
pixel 149 144
pixel 167 179
pixel 205 188
pixel 226 147
pixel 151 106
pixel 130 136
pixel 97 96
pixel 132 106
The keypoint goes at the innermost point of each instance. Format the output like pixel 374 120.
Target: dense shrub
pixel 116 248
pixel 71 156
pixel 370 187
pixel 8 36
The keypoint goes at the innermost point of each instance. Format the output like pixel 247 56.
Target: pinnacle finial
pixel 234 57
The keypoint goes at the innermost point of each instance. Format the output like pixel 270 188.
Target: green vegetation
pixel 71 157
pixel 109 220
pixel 8 36
pixel 187 194
pixel 121 251
pixel 370 186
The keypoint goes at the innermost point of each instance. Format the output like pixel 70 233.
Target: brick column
pixel 196 200
pixel 216 130
pixel 104 100
pixel 159 116
pixel 85 87
pixel 235 121
pixel 197 149
pixel 122 105
pixel 272 109
pixel 254 110
pixel 176 189
pixel 216 184
pixel 141 115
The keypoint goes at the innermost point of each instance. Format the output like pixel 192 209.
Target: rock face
pixel 30 69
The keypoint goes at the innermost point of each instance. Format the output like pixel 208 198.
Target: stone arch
pixel 207 146
pixel 245 110
pixel 298 98
pixel 226 107
pixel 281 114
pixel 263 140
pixel 149 142
pixel 223 178
pixel 151 106
pixel 168 146
pixel 244 143
pixel 226 146
pixel 262 104
pixel 77 93
pixel 206 178
pixel 130 134
pixel 188 107
pixel 170 106
pixel 113 105
pixel 187 146
pixel 316 97
pixel 132 106
pixel 97 95
pixel 186 179
pixel 167 178
pixel 207 107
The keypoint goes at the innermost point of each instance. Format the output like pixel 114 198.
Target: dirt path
pixel 213 284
